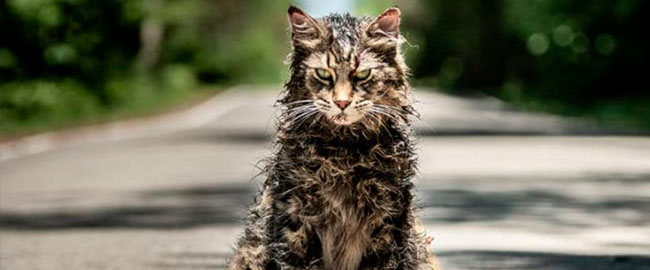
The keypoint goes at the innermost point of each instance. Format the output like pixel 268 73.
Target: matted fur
pixel 339 197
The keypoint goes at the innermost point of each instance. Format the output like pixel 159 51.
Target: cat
pixel 338 192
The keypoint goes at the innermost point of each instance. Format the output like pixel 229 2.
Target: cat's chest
pixel 345 188
pixel 345 231
pixel 348 199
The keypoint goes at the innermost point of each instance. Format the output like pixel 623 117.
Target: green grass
pixel 145 103
pixel 625 114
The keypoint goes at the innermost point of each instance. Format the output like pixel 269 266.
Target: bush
pixel 62 58
pixel 24 102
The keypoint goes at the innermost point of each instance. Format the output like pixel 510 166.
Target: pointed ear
pixel 387 24
pixel 304 28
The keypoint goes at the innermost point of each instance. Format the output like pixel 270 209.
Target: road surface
pixel 498 189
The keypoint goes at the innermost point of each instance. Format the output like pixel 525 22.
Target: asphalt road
pixel 498 189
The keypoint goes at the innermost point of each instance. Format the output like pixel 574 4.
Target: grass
pixel 147 104
pixel 625 114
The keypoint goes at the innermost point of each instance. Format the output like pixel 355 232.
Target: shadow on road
pixel 542 207
pixel 192 206
pixel 220 136
pixel 174 208
pixel 467 260
pixel 191 260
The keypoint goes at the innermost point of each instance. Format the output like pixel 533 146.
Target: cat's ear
pixel 305 30
pixel 386 24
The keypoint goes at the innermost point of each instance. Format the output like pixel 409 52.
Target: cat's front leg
pixel 394 245
pixel 408 251
pixel 382 252
pixel 394 258
pixel 295 246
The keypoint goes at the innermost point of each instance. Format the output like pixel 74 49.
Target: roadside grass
pixel 87 113
pixel 632 115
pixel 627 115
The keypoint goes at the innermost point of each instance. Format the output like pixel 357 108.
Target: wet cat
pixel 338 192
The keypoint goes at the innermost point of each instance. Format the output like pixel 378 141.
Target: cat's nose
pixel 342 104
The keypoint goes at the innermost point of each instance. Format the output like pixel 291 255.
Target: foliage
pixel 567 57
pixel 69 57
pixel 76 59
pixel 575 58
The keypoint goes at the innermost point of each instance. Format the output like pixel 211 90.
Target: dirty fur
pixel 338 195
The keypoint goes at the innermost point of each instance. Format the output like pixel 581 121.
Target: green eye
pixel 362 74
pixel 323 73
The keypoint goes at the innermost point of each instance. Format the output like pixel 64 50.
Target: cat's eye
pixel 362 74
pixel 323 74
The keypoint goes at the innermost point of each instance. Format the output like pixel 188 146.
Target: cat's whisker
pixel 298 102
pixel 384 113
pixel 366 125
pixel 400 111
pixel 392 111
pixel 379 122
pixel 371 117
pixel 302 113
pixel 308 112
pixel 297 117
pixel 316 119
pixel 298 113
pixel 300 106
pixel 322 106
pixel 305 117
pixel 300 109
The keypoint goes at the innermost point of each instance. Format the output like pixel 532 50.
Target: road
pixel 498 189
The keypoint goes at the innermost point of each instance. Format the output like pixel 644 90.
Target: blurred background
pixel 534 147
pixel 81 61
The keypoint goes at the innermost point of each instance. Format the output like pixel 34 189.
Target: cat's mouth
pixel 343 119
pixel 340 118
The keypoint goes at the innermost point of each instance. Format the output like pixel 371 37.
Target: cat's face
pixel 347 70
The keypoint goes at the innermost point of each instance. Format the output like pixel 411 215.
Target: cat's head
pixel 346 71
